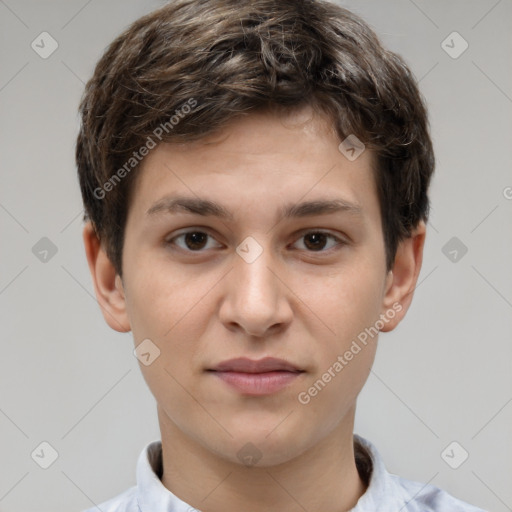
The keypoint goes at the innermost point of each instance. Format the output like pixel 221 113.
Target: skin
pixel 203 304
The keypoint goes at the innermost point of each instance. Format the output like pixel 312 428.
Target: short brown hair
pixel 228 57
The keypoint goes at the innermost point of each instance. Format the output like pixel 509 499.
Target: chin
pixel 268 444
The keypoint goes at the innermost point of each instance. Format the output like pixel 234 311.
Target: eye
pixel 315 241
pixel 197 241
pixel 193 241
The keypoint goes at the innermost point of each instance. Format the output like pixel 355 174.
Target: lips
pixel 256 378
pixel 245 365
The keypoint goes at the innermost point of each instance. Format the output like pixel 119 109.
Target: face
pixel 268 278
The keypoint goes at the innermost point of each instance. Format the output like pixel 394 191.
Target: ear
pixel 107 283
pixel 402 278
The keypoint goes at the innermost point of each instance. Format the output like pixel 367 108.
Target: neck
pixel 324 477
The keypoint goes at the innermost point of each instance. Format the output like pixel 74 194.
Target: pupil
pixel 316 237
pixel 194 238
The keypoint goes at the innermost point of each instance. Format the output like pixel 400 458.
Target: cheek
pixel 345 351
pixel 160 297
pixel 343 303
pixel 171 308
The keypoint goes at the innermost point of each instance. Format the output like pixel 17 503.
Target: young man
pixel 255 178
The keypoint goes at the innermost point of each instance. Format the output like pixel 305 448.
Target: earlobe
pixel 402 278
pixel 108 285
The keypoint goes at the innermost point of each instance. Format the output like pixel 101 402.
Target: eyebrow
pixel 206 207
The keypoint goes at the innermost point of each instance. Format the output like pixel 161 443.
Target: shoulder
pixel 420 497
pixel 392 492
pixel 124 502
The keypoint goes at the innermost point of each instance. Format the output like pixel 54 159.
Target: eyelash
pixel 340 242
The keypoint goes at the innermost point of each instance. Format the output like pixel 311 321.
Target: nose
pixel 257 300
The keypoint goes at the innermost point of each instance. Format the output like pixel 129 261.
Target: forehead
pixel 259 161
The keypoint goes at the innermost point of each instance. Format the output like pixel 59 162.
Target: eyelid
pixel 335 234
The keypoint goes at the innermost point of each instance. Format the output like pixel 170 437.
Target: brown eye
pixel 316 241
pixel 195 240
pixel 192 241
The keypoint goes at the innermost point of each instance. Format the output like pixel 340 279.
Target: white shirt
pixel 386 492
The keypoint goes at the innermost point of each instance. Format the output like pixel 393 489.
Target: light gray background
pixel 444 375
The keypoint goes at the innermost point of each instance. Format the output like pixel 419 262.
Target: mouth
pixel 256 378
